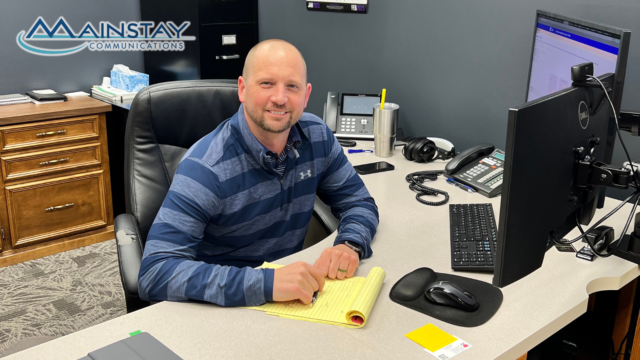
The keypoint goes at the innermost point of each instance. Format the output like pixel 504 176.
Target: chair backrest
pixel 164 121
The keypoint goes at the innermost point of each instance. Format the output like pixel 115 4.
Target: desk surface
pixel 410 236
pixel 75 106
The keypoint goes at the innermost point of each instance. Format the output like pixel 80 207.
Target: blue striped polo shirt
pixel 228 210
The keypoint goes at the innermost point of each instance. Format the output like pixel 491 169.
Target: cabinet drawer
pixel 49 132
pixel 52 161
pixel 225 61
pixel 226 11
pixel 50 209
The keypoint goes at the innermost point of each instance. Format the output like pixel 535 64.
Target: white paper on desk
pixel 46 91
pixel 77 93
pixel 45 102
pixel 450 350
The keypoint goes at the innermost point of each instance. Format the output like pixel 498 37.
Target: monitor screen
pixel 359 104
pixel 560 44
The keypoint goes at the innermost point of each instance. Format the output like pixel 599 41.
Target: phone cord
pixel 416 181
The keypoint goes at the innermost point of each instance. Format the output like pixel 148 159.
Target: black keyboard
pixel 473 237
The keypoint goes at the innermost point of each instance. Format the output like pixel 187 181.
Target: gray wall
pixel 454 67
pixel 21 71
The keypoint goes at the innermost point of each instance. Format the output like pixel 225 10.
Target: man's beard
pixel 257 116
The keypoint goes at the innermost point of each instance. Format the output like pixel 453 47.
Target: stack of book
pixel 13 99
pixel 111 94
pixel 46 96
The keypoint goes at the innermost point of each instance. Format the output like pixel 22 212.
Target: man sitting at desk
pixel 244 194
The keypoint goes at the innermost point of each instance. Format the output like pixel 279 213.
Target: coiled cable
pixel 416 181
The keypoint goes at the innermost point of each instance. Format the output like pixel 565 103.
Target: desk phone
pixel 352 116
pixel 480 167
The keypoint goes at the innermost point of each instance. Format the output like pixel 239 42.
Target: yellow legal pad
pixel 346 302
pixel 431 337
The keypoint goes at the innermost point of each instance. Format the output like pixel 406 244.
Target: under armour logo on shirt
pixel 302 175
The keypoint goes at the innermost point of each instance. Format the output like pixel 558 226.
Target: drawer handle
pixel 53 161
pixel 61 207
pixel 59 132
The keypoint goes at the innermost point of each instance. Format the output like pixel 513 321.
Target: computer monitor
pixel 560 42
pixel 540 198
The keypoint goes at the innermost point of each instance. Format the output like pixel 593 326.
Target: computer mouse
pixel 446 293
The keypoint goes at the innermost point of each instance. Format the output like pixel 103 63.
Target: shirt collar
pixel 294 137
pixel 256 148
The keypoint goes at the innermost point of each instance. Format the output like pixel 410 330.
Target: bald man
pixel 244 194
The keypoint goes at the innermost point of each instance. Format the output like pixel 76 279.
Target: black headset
pixel 422 149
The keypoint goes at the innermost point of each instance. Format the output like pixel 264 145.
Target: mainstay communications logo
pixel 128 36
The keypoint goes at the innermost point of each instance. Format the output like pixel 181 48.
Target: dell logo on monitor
pixel 583 114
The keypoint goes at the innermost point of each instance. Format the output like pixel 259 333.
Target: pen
pixel 466 187
pixel 461 186
pixel 351 151
pixel 315 297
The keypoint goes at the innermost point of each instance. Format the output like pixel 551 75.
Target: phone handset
pixel 468 156
pixel 331 110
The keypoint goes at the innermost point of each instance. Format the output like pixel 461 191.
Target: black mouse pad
pixel 409 292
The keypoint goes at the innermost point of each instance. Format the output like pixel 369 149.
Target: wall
pixel 455 67
pixel 21 71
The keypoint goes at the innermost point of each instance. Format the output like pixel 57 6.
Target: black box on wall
pixel 225 31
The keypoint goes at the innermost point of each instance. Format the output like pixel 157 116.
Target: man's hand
pixel 338 262
pixel 297 281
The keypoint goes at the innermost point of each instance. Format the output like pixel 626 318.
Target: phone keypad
pixel 476 170
pixel 348 125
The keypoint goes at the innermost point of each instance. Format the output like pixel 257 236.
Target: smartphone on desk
pixel 372 168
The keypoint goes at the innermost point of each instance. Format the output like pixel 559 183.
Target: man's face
pixel 275 93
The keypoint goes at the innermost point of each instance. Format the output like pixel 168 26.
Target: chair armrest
pixel 322 213
pixel 129 252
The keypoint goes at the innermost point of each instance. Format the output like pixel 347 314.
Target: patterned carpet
pixel 60 294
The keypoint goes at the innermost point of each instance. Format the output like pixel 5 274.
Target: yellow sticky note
pixel 431 337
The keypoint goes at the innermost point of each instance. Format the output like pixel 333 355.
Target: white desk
pixel 410 236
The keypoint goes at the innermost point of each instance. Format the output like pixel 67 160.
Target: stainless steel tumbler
pixel 385 123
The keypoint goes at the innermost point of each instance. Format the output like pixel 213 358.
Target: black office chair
pixel 164 121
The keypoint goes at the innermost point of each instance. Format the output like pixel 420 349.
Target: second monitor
pixel 559 42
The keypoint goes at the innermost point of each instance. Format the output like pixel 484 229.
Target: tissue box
pixel 129 82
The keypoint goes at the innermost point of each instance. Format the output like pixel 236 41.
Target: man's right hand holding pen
pixel 302 281
pixel 297 281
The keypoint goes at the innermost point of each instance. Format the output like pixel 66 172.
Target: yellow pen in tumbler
pixel 384 93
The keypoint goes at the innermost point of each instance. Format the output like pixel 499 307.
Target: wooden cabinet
pixel 55 188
